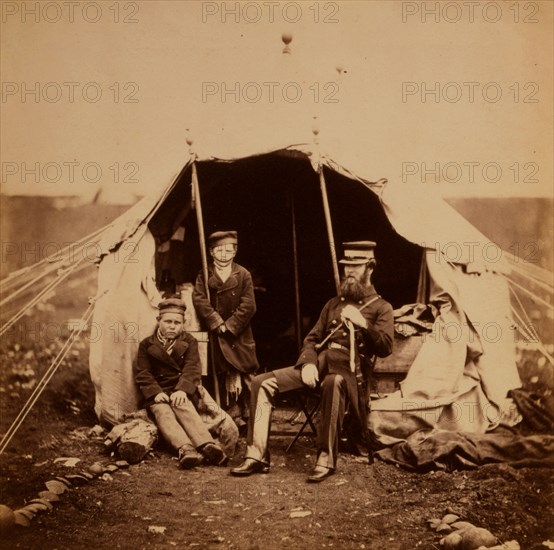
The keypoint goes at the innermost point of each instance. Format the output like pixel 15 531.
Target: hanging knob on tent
pixel 286 37
pixel 189 141
pixel 315 130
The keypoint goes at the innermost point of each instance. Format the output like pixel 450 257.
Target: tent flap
pixel 461 376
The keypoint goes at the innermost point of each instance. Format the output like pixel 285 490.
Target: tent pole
pixel 197 205
pixel 296 279
pixel 329 225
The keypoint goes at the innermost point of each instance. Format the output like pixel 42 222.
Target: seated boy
pixel 168 373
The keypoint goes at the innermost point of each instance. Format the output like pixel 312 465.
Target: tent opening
pixel 274 202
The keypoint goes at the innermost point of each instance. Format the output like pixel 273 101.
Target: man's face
pixel 223 254
pixel 171 324
pixel 354 272
pixel 356 280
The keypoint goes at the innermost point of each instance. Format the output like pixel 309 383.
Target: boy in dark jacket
pixel 227 313
pixel 168 373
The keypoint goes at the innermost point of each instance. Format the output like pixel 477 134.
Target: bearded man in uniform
pixel 352 327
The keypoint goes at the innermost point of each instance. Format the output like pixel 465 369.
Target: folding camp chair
pixel 309 412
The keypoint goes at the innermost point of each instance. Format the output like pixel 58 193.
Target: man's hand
pixel 178 398
pixel 221 329
pixel 161 397
pixel 350 313
pixel 310 376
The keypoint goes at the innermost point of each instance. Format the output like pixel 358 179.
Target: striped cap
pixel 358 252
pixel 172 305
pixel 222 237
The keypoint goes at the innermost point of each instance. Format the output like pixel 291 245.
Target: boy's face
pixel 171 324
pixel 223 254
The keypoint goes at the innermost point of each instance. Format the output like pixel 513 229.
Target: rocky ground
pixel 153 504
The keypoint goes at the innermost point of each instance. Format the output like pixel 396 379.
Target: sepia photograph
pixel 277 274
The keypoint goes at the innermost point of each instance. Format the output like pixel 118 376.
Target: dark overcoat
pixel 156 371
pixel 233 303
pixel 376 339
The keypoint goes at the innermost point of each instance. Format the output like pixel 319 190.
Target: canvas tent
pixel 275 200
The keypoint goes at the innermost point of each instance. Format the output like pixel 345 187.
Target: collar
pixel 224 270
pixel 215 281
pixel 180 342
pixel 212 267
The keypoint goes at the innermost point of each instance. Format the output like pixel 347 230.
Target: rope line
pixel 529 323
pixel 56 362
pixel 536 298
pixel 38 297
pixel 531 336
pixel 15 307
pixel 49 259
pixel 54 265
pixel 532 271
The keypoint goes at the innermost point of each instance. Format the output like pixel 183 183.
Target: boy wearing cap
pixel 227 313
pixel 356 324
pixel 168 373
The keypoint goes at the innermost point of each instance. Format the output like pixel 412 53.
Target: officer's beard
pixel 352 289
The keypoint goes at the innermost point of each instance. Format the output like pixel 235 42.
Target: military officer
pixel 352 327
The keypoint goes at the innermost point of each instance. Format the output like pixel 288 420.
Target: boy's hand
pixel 162 397
pixel 178 398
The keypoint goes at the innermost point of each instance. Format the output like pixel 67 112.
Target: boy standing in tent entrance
pixel 358 323
pixel 168 373
pixel 227 313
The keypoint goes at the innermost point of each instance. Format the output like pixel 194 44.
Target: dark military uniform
pixel 338 365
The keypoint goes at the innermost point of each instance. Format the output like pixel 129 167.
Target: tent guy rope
pixel 56 362
pixel 53 284
pixel 16 276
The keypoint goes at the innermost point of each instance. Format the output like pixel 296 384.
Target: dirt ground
pixel 153 504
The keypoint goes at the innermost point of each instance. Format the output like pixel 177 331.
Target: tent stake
pixel 197 204
pixel 329 225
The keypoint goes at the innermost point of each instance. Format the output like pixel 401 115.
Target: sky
pixel 453 97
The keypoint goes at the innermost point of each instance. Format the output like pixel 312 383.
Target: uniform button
pixel 342 299
pixel 334 322
pixel 361 344
pixel 360 302
pixel 344 334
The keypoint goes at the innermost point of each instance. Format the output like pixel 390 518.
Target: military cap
pixel 222 237
pixel 172 305
pixel 358 252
